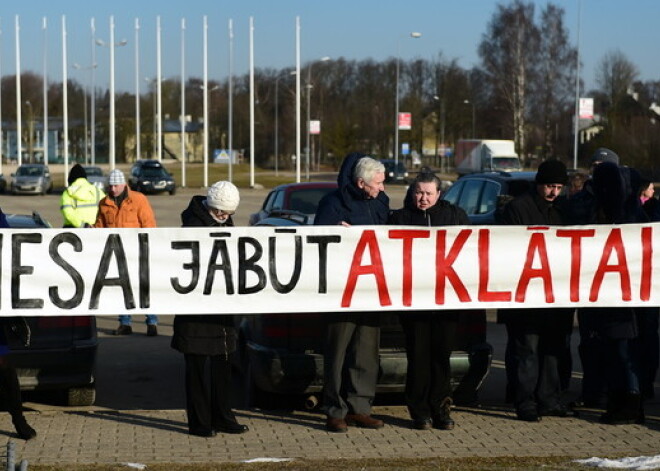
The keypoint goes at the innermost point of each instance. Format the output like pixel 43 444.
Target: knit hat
pixel 603 154
pixel 552 171
pixel 76 172
pixel 116 177
pixel 223 195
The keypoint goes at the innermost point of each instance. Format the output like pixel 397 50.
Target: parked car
pixel 299 197
pixel 149 176
pixel 62 353
pixel 479 194
pixel 95 176
pixel 395 172
pixel 282 354
pixel 32 179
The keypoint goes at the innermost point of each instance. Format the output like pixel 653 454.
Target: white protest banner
pixel 324 269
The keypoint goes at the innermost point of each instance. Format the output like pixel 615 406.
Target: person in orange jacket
pixel 125 208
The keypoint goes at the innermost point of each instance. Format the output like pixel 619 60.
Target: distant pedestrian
pixel 208 341
pixel 123 207
pixel 80 200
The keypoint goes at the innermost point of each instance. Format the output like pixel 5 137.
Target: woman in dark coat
pixel 10 390
pixel 205 339
pixel 429 334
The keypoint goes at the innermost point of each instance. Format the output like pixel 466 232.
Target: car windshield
pixel 29 171
pixel 94 172
pixel 154 172
pixel 307 201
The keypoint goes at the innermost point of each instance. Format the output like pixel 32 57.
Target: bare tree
pixel 508 50
pixel 615 75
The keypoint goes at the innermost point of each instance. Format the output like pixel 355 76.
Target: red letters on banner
pixel 367 241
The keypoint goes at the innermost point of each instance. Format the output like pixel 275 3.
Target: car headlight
pixel 146 183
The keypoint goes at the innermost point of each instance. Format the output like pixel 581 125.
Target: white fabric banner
pixel 324 269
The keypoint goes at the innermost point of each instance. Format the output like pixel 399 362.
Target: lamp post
pixel 309 94
pixel 277 114
pixel 468 102
pixel 396 109
pixel 112 45
pixel 90 67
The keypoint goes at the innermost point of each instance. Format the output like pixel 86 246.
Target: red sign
pixel 405 121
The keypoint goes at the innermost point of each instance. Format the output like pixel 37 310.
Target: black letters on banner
pixel 250 264
pixel 323 242
pixel 193 246
pixel 17 270
pixel 144 280
pixel 219 247
pixel 272 265
pixel 53 291
pixel 113 248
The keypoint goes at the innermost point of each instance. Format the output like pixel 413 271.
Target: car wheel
pixel 82 396
pixel 172 191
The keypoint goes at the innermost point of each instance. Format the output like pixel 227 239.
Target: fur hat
pixel 76 172
pixel 552 171
pixel 603 154
pixel 116 177
pixel 223 195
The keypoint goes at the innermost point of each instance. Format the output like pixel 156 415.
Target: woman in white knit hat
pixel 205 339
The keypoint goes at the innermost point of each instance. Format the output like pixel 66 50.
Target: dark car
pixel 62 352
pixel 395 171
pixel 149 176
pixel 479 194
pixel 302 198
pixel 282 354
pixel 32 179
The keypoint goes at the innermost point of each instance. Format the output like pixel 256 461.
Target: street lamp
pixel 309 93
pixel 396 111
pixel 112 45
pixel 277 114
pixel 90 67
pixel 468 102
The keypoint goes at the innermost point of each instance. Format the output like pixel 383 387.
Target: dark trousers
pixel 208 391
pixel 592 352
pixel 351 364
pixel 429 341
pixel 10 390
pixel 645 349
pixel 535 356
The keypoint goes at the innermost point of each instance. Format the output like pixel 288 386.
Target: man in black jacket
pixel 353 339
pixel 537 337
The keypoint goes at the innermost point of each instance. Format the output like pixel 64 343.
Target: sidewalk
pixel 147 437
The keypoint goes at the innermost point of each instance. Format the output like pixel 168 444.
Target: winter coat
pixel 442 213
pixel 349 203
pixel 610 197
pixel 80 203
pixel 134 211
pixel 203 334
pixel 530 209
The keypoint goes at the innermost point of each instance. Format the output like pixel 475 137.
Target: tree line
pixel 523 89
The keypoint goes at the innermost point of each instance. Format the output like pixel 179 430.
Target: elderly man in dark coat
pixel 352 343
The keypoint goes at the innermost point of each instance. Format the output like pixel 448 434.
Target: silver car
pixel 95 176
pixel 32 179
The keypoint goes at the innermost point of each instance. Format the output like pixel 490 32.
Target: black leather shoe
pixel 528 416
pixel 422 424
pixel 231 427
pixel 123 329
pixel 24 430
pixel 559 411
pixel 202 432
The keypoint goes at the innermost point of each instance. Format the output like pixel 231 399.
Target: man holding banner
pixel 353 340
pixel 537 337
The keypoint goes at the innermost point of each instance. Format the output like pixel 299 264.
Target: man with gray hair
pixel 353 339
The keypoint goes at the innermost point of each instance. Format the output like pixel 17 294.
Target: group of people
pixel 618 347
